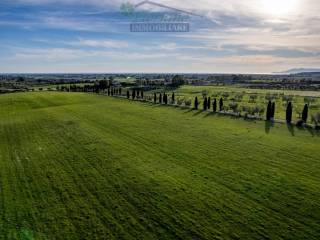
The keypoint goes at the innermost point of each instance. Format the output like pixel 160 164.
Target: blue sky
pixel 248 36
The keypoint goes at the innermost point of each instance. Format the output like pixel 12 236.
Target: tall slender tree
pixel 205 104
pixel 289 113
pixel 196 103
pixel 268 114
pixel 133 94
pixel 155 98
pixel 273 110
pixel 305 113
pixel 160 98
pixel 172 98
pixel 128 94
pixel 142 94
pixel 214 106
pixel 221 104
pixel 209 103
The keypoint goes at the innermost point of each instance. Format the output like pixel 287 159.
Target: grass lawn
pixel 84 166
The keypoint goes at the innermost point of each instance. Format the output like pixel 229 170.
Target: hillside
pixel 84 166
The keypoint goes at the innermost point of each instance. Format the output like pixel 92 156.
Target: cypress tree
pixel 155 98
pixel 166 99
pixel 305 113
pixel 172 98
pixel 160 98
pixel 120 90
pixel 289 113
pixel 205 104
pixel 273 110
pixel 209 103
pixel 108 91
pixel 196 103
pixel 214 106
pixel 112 92
pixel 138 93
pixel 128 94
pixel 268 117
pixel 221 104
pixel 142 94
pixel 133 94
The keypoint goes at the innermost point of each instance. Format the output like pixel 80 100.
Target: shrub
pixel 233 107
pixel 187 102
pixel 253 98
pixel 180 101
pixel 309 100
pixel 316 119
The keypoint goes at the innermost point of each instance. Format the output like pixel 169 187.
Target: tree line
pixel 208 104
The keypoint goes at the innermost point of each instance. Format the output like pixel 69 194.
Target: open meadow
pixel 86 166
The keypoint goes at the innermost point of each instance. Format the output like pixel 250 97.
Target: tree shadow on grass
pixel 189 110
pixel 268 126
pixel 210 114
pixel 313 132
pixel 291 129
pixel 197 112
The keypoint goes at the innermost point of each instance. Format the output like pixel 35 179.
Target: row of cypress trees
pixel 163 98
pixel 304 116
pixel 207 104
pixel 135 94
pixel 114 91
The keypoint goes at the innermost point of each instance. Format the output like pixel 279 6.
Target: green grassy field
pixel 84 166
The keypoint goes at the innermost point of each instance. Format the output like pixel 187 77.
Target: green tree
pixel 273 110
pixel 305 113
pixel 196 103
pixel 214 106
pixel 133 94
pixel 205 104
pixel 268 117
pixel 209 103
pixel 289 113
pixel 221 104
pixel 177 81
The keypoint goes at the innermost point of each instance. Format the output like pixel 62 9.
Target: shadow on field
pixel 291 129
pixel 267 127
pixel 197 113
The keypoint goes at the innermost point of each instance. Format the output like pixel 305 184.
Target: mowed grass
pixel 84 166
